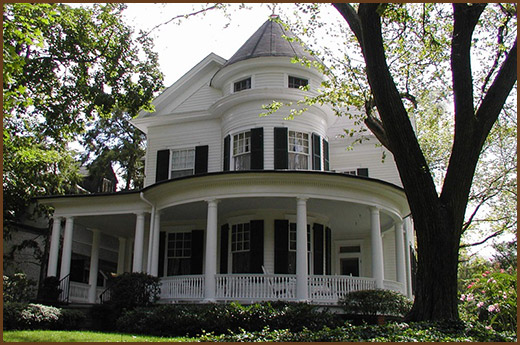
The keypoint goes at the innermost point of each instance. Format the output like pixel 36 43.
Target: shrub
pixel 376 302
pixel 17 288
pixel 131 290
pixel 104 317
pixel 491 298
pixel 192 320
pixel 50 290
pixel 38 316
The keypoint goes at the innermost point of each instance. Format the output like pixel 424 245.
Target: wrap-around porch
pixel 213 238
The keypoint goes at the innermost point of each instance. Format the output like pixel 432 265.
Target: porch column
pixel 377 248
pixel 210 259
pixel 407 233
pixel 121 252
pixel 138 243
pixel 302 276
pixel 399 254
pixel 67 248
pixel 52 267
pixel 94 265
pixel 154 267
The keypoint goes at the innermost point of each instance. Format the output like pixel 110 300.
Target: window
pixel 242 151
pixel 357 172
pixel 292 249
pixel 298 150
pixel 179 253
pixel 296 83
pixel 240 247
pixel 182 162
pixel 242 85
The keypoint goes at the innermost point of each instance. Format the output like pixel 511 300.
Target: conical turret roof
pixel 269 40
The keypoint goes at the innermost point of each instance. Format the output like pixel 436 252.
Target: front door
pixel 349 267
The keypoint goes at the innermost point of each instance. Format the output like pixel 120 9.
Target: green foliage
pixel 18 288
pixel 50 290
pixel 131 290
pixel 489 296
pixel 172 320
pixel 376 302
pixel 38 316
pixel 64 68
pixel 391 332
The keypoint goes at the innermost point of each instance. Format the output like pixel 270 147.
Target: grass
pixel 83 336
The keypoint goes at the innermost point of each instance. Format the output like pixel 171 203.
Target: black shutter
pixel 162 167
pixel 362 172
pixel 256 253
pixel 257 149
pixel 227 146
pixel 318 249
pixel 326 165
pixel 197 251
pixel 316 152
pixel 162 245
pixel 224 238
pixel 281 158
pixel 328 252
pixel 281 246
pixel 201 159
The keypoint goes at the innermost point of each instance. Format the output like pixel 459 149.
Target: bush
pixel 491 298
pixel 18 288
pixel 131 290
pixel 50 290
pixel 376 302
pixel 192 320
pixel 38 316
pixel 104 317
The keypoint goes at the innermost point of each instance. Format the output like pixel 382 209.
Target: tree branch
pixel 349 14
pixel 495 234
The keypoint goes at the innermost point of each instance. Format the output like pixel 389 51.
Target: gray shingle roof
pixel 268 40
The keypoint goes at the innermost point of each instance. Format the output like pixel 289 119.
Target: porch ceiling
pixel 118 225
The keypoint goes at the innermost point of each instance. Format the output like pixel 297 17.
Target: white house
pixel 242 207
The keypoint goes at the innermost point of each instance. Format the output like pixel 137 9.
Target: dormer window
pixel 242 151
pixel 242 85
pixel 298 150
pixel 296 83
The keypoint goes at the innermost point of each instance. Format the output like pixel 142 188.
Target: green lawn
pixel 83 336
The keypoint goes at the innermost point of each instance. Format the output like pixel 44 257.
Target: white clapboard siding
pixel 389 255
pixel 184 135
pixel 269 80
pixel 201 99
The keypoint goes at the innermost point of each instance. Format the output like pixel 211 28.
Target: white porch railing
pixel 255 287
pixel 395 286
pixel 182 288
pixel 329 289
pixel 78 292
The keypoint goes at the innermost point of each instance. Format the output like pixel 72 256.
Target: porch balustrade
pixel 183 287
pixel 395 286
pixel 329 289
pixel 255 287
pixel 78 292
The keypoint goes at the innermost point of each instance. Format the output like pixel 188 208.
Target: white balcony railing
pixel 329 289
pixel 262 287
pixel 395 286
pixel 78 292
pixel 255 287
pixel 182 288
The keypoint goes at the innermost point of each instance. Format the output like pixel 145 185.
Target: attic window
pixel 242 85
pixel 296 83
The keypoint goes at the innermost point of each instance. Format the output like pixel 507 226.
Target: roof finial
pixel 273 11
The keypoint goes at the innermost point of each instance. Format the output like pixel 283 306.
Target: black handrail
pixel 64 285
pixel 105 295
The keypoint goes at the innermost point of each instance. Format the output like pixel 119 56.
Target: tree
pixel 64 68
pixel 438 217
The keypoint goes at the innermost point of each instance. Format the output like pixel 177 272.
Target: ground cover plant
pixel 391 332
pixel 82 336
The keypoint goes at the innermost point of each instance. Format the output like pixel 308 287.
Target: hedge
pixel 39 316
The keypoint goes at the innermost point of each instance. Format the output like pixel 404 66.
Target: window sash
pixel 240 238
pixel 296 83
pixel 243 84
pixel 178 245
pixel 182 162
pixel 242 150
